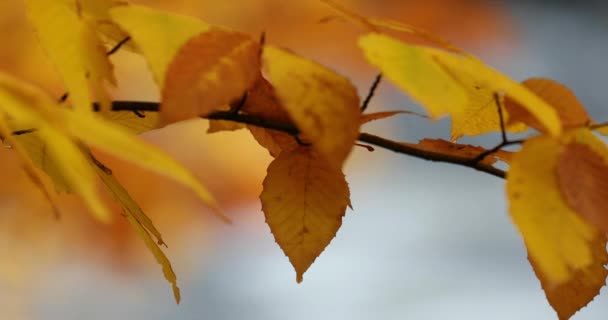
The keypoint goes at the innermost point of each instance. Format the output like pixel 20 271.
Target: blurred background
pixel 425 241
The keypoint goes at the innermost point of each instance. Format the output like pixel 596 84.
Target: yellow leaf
pixel 74 166
pixel 143 226
pixel 30 105
pixel 114 140
pixel 480 115
pixel 463 67
pixel 557 238
pixel 158 34
pixel 35 175
pixel 72 45
pixel 62 132
pixel 584 285
pixel 465 83
pixel 209 71
pixel 98 13
pixel 415 71
pixel 304 200
pixel 121 195
pixel 36 150
pixel 322 104
pixel 570 111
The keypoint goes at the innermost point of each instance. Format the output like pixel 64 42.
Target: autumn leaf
pixel 261 101
pixel 36 150
pixel 35 175
pixel 377 25
pixel 27 104
pixel 158 34
pixel 112 139
pixel 569 110
pixel 415 72
pixel 323 105
pixel 557 237
pixel 63 131
pixel 304 200
pixel 481 114
pixel 210 70
pixel 72 45
pixel 98 13
pixel 583 286
pixel 142 224
pixel 462 67
pixel 422 72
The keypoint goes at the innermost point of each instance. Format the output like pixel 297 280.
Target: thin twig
pixel 118 46
pixel 371 92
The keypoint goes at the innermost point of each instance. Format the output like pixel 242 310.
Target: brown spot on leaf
pixel 582 176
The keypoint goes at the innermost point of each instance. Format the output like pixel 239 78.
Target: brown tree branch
pixel 290 129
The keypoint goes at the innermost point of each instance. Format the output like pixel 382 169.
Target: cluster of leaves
pixel 308 118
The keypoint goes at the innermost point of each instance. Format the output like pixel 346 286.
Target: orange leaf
pixel 262 102
pixel 585 284
pixel 304 200
pixel 461 150
pixel 209 71
pixel 365 118
pixel 569 110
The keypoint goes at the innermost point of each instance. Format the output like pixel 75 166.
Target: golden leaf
pixel 142 224
pixel 557 238
pixel 414 71
pixel 304 200
pixel 73 46
pixel 323 105
pixel 158 34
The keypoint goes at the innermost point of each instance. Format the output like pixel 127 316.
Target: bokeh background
pixel 425 241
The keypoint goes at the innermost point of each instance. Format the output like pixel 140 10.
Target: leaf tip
pixel 176 294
